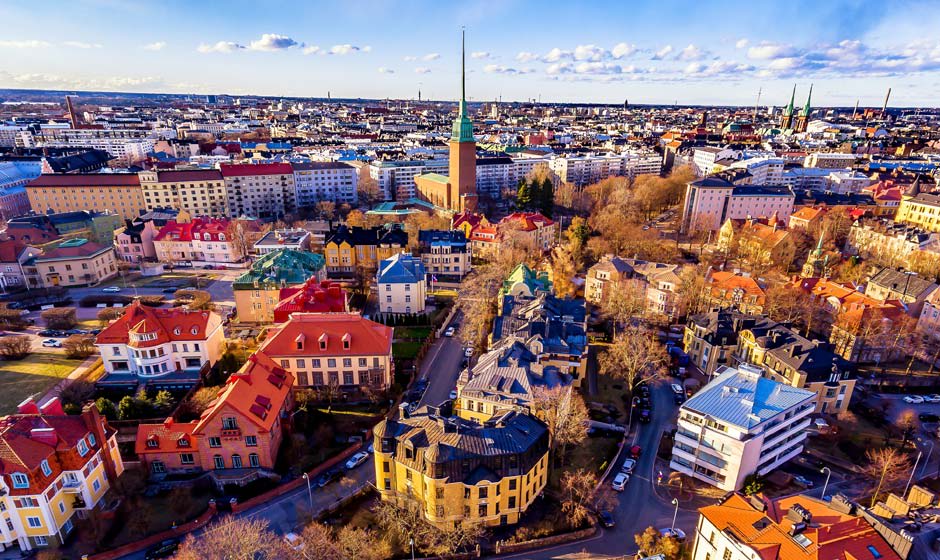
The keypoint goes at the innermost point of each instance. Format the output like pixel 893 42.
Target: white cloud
pixel 346 49
pixel 622 50
pixel 500 69
pixel 81 45
pixel 409 58
pixel 558 68
pixel 220 47
pixel 590 52
pixel 422 70
pixel 555 55
pixel 741 43
pixel 480 55
pixel 716 67
pixel 691 52
pixel 662 53
pixel 769 51
pixel 431 56
pixel 39 79
pixel 367 48
pixel 384 70
pixel 33 44
pixel 311 49
pixel 272 42
pixel 157 46
pixel 526 56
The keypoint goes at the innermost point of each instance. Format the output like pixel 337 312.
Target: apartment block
pixel 102 192
pixel 263 190
pixel 320 181
pixel 201 192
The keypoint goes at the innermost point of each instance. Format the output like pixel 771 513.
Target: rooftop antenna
pixel 855 110
pixel 884 108
pixel 756 103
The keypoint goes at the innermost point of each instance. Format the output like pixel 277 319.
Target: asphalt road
pixel 441 367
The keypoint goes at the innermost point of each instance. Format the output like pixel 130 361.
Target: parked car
pixel 294 542
pixel 933 399
pixel 70 332
pixel 468 352
pixel 635 451
pixel 620 482
pixel 51 343
pixel 607 519
pixel 914 399
pixel 356 460
pixel 452 395
pixel 646 416
pixel 163 549
pixel 677 534
pixel 50 332
pixel 628 465
pixel 327 477
pixel 678 398
pixel 169 290
pixel 928 417
pixel 802 481
pixel 676 388
pixel 449 331
pixel 111 289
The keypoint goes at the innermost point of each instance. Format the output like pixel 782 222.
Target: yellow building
pixel 53 466
pixel 790 358
pixel 200 192
pixel 349 249
pixel 917 208
pixel 258 291
pixel 452 469
pixel 75 262
pixel 119 193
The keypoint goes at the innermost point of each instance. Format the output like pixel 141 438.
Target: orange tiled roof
pixel 529 221
pixel 366 338
pixel 167 436
pixel 808 213
pixel 257 392
pixel 169 324
pixel 721 280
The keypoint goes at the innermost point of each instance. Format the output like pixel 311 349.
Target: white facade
pixel 829 160
pixel 739 424
pixel 158 360
pixel 703 159
pixel 401 285
pixel 325 181
pixel 710 202
pixel 585 170
pixel 763 170
pixel 396 179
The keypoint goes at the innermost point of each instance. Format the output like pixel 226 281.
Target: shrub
pixel 11 319
pixel 62 318
pixel 109 314
pixel 71 409
pixel 109 299
pixel 15 347
pixel 106 408
pixel 753 484
pixel 79 346
pixel 78 392
pixel 194 299
pixel 152 301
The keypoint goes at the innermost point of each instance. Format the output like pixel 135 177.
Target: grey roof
pixel 401 269
pixel 743 398
pixel 508 375
pixel 907 285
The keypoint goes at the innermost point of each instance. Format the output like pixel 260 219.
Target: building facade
pixel 402 285
pixel 258 290
pixel 71 263
pixel 101 192
pixel 709 202
pixel 320 181
pixel 349 249
pixel 446 256
pixel 200 192
pixel 264 190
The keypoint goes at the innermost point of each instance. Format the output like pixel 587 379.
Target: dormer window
pixel 195 330
pixel 323 339
pixel 346 341
pixel 221 237
pixel 177 331
pixel 152 442
pixel 299 341
pixel 91 440
pixel 182 442
pixel 19 480
pixel 46 469
pixel 82 447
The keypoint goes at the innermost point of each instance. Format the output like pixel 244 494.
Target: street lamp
pixel 675 502
pixel 927 460
pixel 411 541
pixel 828 472
pixel 309 493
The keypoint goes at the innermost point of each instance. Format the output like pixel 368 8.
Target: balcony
pixel 79 503
pixel 72 486
pixel 232 433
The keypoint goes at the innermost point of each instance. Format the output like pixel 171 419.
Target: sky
pixel 662 51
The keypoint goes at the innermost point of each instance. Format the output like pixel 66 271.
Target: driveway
pixel 441 367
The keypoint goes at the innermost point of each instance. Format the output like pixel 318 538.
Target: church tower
pixel 803 120
pixel 463 149
pixel 787 120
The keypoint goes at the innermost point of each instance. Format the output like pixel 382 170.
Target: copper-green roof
pixel 284 266
pixel 436 177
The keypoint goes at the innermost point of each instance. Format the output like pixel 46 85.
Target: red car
pixel 635 451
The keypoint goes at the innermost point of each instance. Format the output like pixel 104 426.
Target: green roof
pixel 284 266
pixel 436 177
pixel 536 281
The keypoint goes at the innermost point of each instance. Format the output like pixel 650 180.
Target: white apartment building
pixel 263 190
pixel 319 181
pixel 763 170
pixel 709 202
pixel 585 170
pixel 703 159
pixel 848 181
pixel 126 151
pixel 12 136
pixel 396 179
pixel 401 284
pixel 493 175
pixel 829 160
pixel 739 424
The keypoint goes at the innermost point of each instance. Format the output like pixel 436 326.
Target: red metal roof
pixel 367 338
pixel 87 180
pixel 249 169
pixel 311 297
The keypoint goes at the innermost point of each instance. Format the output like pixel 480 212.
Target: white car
pixel 356 460
pixel 51 343
pixel 449 331
pixel 452 395
pixel 677 389
pixel 468 352
pixel 933 399
pixel 914 399
pixel 677 534
pixel 111 289
pixel 620 481
pixel 628 465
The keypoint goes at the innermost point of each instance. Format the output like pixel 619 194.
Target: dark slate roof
pixel 556 324
pixel 908 285
pixel 722 327
pixel 389 234
pixel 313 165
pixel 83 161
pixel 813 357
pixel 427 237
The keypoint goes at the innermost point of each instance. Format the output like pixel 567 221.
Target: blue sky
pixel 711 52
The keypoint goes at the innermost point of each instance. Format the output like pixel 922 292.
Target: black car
pixel 169 290
pixel 644 391
pixel 928 417
pixel 164 549
pixel 70 332
pixel 328 477
pixel 679 398
pixel 607 519
pixel 50 332
pixel 646 403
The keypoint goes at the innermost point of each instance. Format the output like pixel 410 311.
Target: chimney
pixel 98 426
pixel 44 435
pixel 52 408
pixel 28 407
pixel 403 410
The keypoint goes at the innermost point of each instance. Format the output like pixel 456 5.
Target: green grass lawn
pixel 593 455
pixel 417 333
pixel 34 374
pixel 405 350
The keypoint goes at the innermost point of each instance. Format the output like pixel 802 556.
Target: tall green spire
pixel 789 110
pixel 463 128
pixel 806 108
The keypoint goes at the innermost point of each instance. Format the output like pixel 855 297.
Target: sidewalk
pixel 78 373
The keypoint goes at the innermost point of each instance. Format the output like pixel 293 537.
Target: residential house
pixel 133 243
pixel 189 240
pixel 54 465
pixel 71 263
pixel 907 287
pixel 236 439
pixel 739 424
pixel 711 339
pixel 762 243
pixel 13 253
pixel 659 281
pixel 528 229
pixel 808 219
pixel 886 240
pixel 401 285
pixel 340 350
pixel 258 290
pixel 198 192
pixel 446 256
pixel 738 291
pixel 166 347
pixel 313 296
pixel 352 249
pixel 523 282
pixel 453 469
pixel 296 239
pixel 263 190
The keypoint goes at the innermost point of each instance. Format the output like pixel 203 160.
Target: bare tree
pixel 651 543
pixel 634 356
pixel 565 413
pixel 623 301
pixel 237 233
pixel 15 347
pixel 368 189
pixel 402 519
pixel 579 498
pixel 886 468
pixel 564 270
pixel 79 346
pixel 234 538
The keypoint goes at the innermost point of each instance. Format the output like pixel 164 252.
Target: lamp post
pixel 633 402
pixel 309 493
pixel 411 541
pixel 910 478
pixel 927 460
pixel 828 472
pixel 675 502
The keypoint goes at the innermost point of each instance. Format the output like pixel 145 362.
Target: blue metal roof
pixel 401 269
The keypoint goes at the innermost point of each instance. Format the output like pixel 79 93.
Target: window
pixel 158 467
pixel 229 423
pixel 61 507
pixel 91 440
pixel 219 462
pixel 236 461
pixel 182 442
pixel 82 447
pixel 186 458
pixel 20 480
pixel 512 502
pixel 481 511
pixel 96 485
pixel 251 441
pixel 483 492
pixel 215 442
pixel 34 522
pixel 512 483
pixel 46 469
pixel 727 554
pixel 253 460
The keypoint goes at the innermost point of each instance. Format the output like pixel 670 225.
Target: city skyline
pixel 604 53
